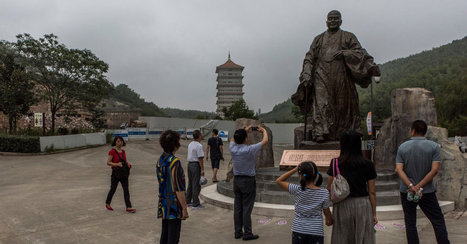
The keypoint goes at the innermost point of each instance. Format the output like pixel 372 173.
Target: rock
pixel 266 156
pixel 449 181
pixel 407 105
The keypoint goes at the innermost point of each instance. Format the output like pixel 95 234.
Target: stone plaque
pixel 322 158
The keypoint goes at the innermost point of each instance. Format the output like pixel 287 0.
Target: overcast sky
pixel 168 50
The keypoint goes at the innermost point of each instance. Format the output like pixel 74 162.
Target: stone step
pixel 386 185
pixel 210 195
pixel 280 196
pixel 271 174
pixel 272 185
pixel 387 175
pixel 384 198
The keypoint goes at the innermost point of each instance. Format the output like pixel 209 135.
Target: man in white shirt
pixel 195 169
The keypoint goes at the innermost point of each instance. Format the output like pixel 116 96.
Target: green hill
pixel 131 100
pixel 190 114
pixel 281 113
pixel 123 97
pixel 442 70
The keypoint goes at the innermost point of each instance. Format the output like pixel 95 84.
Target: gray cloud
pixel 168 50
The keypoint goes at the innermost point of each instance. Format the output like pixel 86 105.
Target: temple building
pixel 229 85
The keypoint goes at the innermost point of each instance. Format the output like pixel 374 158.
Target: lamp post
pixel 375 79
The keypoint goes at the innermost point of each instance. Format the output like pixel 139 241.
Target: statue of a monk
pixel 332 67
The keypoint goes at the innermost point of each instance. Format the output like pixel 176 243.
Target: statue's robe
pixel 332 97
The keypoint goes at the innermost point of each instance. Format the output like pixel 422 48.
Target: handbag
pixel 340 187
pixel 122 172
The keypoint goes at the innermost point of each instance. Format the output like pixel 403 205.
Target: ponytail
pixel 309 172
pixel 303 183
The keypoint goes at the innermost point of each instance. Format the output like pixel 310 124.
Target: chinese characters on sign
pixel 322 158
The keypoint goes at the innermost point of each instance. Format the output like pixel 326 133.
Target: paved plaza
pixel 59 198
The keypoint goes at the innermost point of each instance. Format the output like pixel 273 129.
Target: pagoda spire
pixel 229 55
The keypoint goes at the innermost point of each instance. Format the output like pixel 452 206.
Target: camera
pixel 254 128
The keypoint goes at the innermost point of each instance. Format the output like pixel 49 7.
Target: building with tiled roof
pixel 229 85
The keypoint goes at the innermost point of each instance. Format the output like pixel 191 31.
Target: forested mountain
pixel 190 114
pixel 281 113
pixel 124 98
pixel 442 70
pixel 123 94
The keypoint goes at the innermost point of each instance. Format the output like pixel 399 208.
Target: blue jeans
pixel 299 238
pixel 430 207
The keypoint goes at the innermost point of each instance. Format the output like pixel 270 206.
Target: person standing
pixel 243 162
pixel 120 173
pixel 172 207
pixel 354 218
pixel 417 163
pixel 310 200
pixel 215 149
pixel 195 169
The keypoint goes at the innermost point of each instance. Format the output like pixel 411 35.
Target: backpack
pixel 340 187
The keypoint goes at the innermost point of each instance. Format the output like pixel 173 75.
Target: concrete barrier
pixel 72 141
pixel 137 133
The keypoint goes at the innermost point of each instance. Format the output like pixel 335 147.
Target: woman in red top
pixel 120 173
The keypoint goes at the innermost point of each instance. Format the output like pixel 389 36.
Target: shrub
pixel 31 131
pixel 62 131
pixel 24 144
pixel 108 138
pixel 75 131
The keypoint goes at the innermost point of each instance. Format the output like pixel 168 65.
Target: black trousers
pixel 113 187
pixel 430 207
pixel 245 193
pixel 299 238
pixel 171 231
pixel 194 187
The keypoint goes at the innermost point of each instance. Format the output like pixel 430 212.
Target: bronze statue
pixel 332 67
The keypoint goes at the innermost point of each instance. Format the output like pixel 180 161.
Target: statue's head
pixel 334 20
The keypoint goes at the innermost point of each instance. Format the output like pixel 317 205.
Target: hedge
pixel 24 144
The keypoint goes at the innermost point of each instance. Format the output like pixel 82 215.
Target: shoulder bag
pixel 340 187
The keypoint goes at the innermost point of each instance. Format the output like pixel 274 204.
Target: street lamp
pixel 375 79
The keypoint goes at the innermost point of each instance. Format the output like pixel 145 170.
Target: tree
pixel 16 94
pixel 239 109
pixel 66 78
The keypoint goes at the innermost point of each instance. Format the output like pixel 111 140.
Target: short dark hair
pixel 170 140
pixel 419 127
pixel 240 136
pixel 215 131
pixel 115 141
pixel 196 134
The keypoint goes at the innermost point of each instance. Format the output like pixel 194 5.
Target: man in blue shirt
pixel 243 162
pixel 417 163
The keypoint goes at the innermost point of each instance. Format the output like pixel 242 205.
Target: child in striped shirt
pixel 310 200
